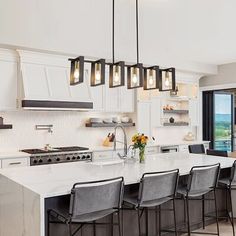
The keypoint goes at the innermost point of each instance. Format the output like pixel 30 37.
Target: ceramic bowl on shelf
pixel 107 120
pixel 125 119
pixel 116 119
pixel 95 120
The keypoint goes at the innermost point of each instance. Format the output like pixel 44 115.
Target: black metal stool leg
pixel 139 223
pixel 203 211
pixel 226 203
pixel 216 210
pixel 188 216
pixel 146 210
pixel 70 229
pixel 176 233
pixel 119 223
pixel 232 214
pixel 160 220
pixel 94 229
pixel 112 224
pixel 156 220
pixel 48 224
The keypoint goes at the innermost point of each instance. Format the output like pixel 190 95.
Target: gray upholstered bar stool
pixel 201 180
pixel 229 184
pixel 90 201
pixel 155 189
pixel 196 149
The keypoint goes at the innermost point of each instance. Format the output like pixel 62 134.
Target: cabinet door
pixel 8 87
pixel 126 99
pixel 156 111
pixel 144 118
pixel 111 96
pixel 194 112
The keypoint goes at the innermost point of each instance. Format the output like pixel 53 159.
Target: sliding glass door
pixel 223 121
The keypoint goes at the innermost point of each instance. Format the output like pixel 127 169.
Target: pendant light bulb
pixel 135 77
pixel 167 79
pixel 151 79
pixel 116 75
pixel 98 74
pixel 76 72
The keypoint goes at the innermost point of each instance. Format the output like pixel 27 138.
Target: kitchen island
pixel 27 192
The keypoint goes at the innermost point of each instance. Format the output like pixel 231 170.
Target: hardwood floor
pixel 225 229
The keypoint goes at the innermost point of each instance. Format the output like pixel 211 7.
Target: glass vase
pixel 141 155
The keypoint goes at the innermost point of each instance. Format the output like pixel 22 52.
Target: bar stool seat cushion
pixel 182 190
pixel 224 182
pixel 133 200
pixel 64 216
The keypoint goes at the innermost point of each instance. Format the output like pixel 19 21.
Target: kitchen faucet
pixel 124 142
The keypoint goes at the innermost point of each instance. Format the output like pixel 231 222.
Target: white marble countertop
pixel 12 154
pixel 57 179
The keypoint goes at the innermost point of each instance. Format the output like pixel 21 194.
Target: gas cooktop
pixel 55 150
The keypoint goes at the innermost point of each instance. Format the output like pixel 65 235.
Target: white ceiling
pixel 172 32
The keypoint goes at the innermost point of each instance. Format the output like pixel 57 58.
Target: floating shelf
pixel 5 126
pixel 176 111
pixel 176 124
pixel 99 125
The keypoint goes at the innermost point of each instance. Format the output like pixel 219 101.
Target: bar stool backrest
pixel 220 153
pixel 203 178
pixel 158 185
pixel 196 149
pixel 90 197
pixel 233 174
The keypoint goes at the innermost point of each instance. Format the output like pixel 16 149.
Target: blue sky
pixel 222 104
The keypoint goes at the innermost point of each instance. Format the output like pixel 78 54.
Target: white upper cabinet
pixel 126 99
pixel 156 112
pixel 144 118
pixel 8 78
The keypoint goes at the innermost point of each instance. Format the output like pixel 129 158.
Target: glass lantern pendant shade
pixel 135 76
pixel 117 75
pixel 167 79
pixel 151 78
pixel 77 70
pixel 98 72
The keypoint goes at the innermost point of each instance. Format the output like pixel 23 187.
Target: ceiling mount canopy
pixel 150 77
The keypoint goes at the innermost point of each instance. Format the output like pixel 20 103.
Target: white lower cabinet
pixel 14 162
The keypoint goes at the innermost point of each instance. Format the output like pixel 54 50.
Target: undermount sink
pixel 108 162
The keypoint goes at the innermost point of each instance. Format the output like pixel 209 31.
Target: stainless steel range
pixel 58 155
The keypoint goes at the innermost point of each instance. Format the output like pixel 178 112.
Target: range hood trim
pixel 55 105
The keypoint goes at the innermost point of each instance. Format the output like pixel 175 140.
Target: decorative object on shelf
pixel 116 119
pixel 140 142
pixel 168 108
pixel 98 72
pixel 77 70
pixel 151 78
pixel 172 120
pixel 95 120
pixel 167 81
pixel 189 137
pixel 125 119
pixel 1 121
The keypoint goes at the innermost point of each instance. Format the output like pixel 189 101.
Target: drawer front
pixel 152 150
pixel 13 163
pixel 183 148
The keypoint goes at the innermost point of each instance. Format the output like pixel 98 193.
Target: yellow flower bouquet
pixel 140 142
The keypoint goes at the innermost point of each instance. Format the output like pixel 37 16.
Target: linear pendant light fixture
pixel 117 69
pixel 149 78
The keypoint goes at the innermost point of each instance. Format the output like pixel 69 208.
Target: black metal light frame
pixel 73 80
pixel 157 77
pixel 121 67
pixel 139 67
pixel 102 63
pixel 173 81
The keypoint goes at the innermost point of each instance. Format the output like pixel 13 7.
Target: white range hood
pixel 45 83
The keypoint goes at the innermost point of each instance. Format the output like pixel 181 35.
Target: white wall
pixel 225 77
pixel 69 129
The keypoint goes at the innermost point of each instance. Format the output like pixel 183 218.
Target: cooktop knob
pixel 58 159
pixel 83 157
pixel 35 161
pixel 40 160
pixel 49 160
pixel 68 158
pixel 78 158
pixel 88 156
pixel 73 158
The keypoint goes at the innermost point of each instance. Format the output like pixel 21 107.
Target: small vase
pixel 142 155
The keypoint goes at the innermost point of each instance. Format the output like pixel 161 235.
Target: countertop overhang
pixel 56 180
